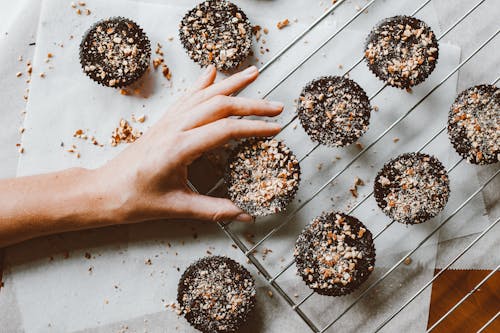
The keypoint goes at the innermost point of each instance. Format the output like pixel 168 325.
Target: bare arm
pixel 148 180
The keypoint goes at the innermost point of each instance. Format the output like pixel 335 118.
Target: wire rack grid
pixel 272 279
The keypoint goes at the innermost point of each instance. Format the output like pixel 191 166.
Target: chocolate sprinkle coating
pixel 334 111
pixel 474 124
pixel 263 176
pixel 216 32
pixel 402 51
pixel 115 52
pixel 335 254
pixel 412 188
pixel 216 294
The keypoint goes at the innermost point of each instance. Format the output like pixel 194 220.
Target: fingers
pixel 205 79
pixel 221 106
pixel 207 208
pixel 217 133
pixel 228 86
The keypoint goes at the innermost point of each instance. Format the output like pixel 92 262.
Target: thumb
pixel 203 207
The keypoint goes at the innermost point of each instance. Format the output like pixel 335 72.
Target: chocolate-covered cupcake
pixel 216 294
pixel 412 188
pixel 115 52
pixel 334 111
pixel 474 124
pixel 335 254
pixel 263 176
pixel 216 32
pixel 402 51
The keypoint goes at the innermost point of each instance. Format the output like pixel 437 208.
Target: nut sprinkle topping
pixel 334 111
pixel 402 51
pixel 115 52
pixel 412 188
pixel 474 124
pixel 216 294
pixel 263 176
pixel 216 32
pixel 335 254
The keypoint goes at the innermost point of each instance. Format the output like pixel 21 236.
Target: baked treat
pixel 334 110
pixel 412 188
pixel 263 176
pixel 402 51
pixel 216 32
pixel 216 294
pixel 115 52
pixel 335 254
pixel 474 124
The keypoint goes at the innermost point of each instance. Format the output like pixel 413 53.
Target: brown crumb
pixel 124 133
pixel 407 261
pixel 281 24
pixel 359 145
pixel 166 72
pixel 395 140
pixel 270 293
pixel 354 191
pixel 148 262
pixel 19 74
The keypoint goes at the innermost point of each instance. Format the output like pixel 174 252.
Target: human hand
pixel 148 180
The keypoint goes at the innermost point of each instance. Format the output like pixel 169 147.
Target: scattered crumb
pixel 270 293
pixel 148 262
pixel 19 74
pixel 281 24
pixel 375 108
pixel 124 133
pixel 395 139
pixel 407 261
pixel 359 145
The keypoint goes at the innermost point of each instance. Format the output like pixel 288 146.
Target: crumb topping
pixel 263 176
pixel 216 294
pixel 124 133
pixel 334 111
pixel 334 254
pixel 412 188
pixel 474 124
pixel 216 32
pixel 402 51
pixel 115 52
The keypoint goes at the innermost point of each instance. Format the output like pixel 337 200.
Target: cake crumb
pixel 281 24
pixel 407 261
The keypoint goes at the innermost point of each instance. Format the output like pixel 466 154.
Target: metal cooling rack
pixel 272 279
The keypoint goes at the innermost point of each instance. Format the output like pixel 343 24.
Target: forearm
pixel 52 203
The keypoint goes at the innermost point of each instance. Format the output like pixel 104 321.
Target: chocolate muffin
pixel 334 111
pixel 412 188
pixel 335 254
pixel 216 32
pixel 115 52
pixel 402 51
pixel 216 294
pixel 474 124
pixel 262 176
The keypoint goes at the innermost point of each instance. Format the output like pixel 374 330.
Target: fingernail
pixel 250 70
pixel 277 105
pixel 244 217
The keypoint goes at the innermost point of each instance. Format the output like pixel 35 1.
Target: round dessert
pixel 412 188
pixel 216 294
pixel 216 32
pixel 115 52
pixel 474 124
pixel 402 51
pixel 335 254
pixel 263 176
pixel 334 111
